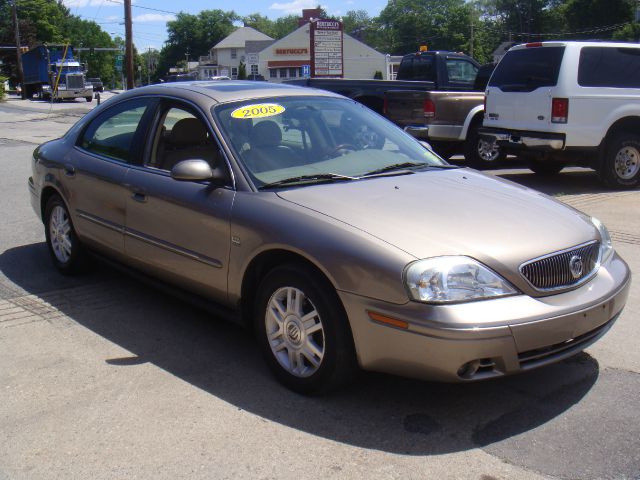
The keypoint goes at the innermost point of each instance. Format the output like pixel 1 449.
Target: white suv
pixel 559 103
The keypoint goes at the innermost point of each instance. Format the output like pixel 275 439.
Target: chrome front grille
pixel 563 269
pixel 75 81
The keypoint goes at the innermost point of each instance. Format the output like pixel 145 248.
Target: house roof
pixel 238 38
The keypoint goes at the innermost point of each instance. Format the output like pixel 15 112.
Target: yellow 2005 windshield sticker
pixel 258 110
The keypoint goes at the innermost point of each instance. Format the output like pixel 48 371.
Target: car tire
pixel 303 331
pixel 620 168
pixel 545 168
pixel 65 249
pixel 480 153
pixel 88 99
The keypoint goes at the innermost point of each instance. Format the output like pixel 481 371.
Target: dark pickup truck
pixel 437 97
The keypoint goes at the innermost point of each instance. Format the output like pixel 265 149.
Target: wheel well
pixel 374 103
pixel 259 267
pixel 627 124
pixel 46 194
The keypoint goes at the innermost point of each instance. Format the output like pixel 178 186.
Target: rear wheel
pixel 479 152
pixel 621 166
pixel 303 331
pixel 545 168
pixel 88 99
pixel 64 247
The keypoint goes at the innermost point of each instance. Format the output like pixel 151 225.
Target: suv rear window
pixel 609 67
pixel 528 69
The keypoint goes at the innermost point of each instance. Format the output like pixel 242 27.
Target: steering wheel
pixel 338 148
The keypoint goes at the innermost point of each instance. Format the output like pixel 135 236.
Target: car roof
pixel 238 90
pixel 578 43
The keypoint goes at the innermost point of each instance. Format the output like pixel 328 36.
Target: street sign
pixel 306 71
pixel 119 59
pixel 326 44
pixel 252 58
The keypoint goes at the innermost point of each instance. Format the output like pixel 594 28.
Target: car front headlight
pixel 454 279
pixel 606 247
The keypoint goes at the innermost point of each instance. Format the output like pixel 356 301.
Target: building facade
pixel 225 57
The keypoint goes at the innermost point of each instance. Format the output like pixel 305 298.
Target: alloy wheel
pixel 295 332
pixel 60 234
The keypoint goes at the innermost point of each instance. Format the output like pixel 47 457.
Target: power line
pixel 145 8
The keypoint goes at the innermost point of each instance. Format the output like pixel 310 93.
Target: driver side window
pixel 182 136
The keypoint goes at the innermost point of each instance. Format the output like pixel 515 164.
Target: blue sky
pixel 149 26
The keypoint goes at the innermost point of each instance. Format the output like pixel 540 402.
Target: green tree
pixel 593 14
pixel 194 35
pixel 404 25
pixel 85 33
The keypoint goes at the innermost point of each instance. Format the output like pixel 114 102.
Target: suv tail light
pixel 533 45
pixel 559 110
pixel 429 109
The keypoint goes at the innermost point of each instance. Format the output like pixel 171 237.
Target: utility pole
pixel 471 42
pixel 18 51
pixel 128 53
pixel 149 67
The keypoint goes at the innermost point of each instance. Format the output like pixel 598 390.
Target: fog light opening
pixel 477 367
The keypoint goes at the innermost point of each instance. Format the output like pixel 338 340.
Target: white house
pixel 284 58
pixel 224 58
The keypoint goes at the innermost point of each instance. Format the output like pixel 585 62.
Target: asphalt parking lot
pixel 102 377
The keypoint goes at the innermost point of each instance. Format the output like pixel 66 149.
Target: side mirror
pixel 192 171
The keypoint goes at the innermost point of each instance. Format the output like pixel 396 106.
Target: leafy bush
pixel 2 89
pixel 377 75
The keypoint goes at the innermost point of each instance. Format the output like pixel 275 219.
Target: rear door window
pixel 609 67
pixel 461 72
pixel 419 67
pixel 527 69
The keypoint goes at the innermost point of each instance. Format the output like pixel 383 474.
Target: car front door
pixel 96 172
pixel 180 230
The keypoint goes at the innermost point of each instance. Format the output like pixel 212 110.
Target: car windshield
pixel 298 140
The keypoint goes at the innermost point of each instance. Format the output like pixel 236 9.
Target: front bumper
pixel 76 93
pixel 490 338
pixel 516 140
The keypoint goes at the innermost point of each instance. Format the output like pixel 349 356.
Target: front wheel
pixel 303 331
pixel 481 153
pixel 64 247
pixel 621 166
pixel 88 99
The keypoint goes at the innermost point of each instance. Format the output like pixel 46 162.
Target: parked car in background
pixel 97 84
pixel 561 103
pixel 435 98
pixel 335 235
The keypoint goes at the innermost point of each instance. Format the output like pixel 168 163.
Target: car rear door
pixel 180 230
pixel 96 168
pixel 521 88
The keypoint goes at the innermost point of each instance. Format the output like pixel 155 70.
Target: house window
pixel 234 53
pixel 273 73
pixel 254 69
pixel 234 72
pixel 293 72
pixel 283 72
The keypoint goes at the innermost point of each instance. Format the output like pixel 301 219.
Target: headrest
pixel 188 131
pixel 266 134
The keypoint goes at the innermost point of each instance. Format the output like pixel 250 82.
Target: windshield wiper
pixel 404 168
pixel 314 177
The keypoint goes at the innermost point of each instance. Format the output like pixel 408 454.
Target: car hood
pixel 452 212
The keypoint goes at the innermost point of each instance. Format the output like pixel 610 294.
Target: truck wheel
pixel 480 153
pixel 88 99
pixel 303 330
pixel 545 168
pixel 621 166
